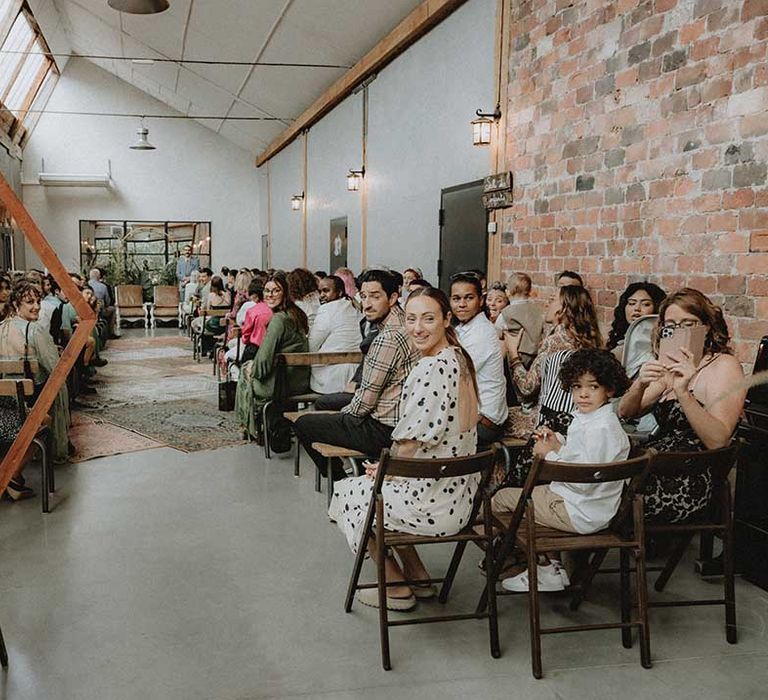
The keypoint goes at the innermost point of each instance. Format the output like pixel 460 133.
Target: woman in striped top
pixel 573 316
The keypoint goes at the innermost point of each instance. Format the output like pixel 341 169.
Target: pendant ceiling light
pixel 143 143
pixel 139 7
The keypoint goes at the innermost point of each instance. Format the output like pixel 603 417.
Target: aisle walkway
pixel 215 574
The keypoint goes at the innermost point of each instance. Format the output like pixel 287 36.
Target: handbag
pixel 227 390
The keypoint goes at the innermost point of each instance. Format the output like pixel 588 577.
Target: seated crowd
pixel 37 321
pixel 446 375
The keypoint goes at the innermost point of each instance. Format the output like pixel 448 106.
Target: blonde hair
pixel 519 284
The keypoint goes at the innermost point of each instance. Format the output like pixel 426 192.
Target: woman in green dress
pixel 21 337
pixel 287 332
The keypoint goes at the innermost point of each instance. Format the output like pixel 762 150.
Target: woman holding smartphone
pixel 695 405
pixel 439 413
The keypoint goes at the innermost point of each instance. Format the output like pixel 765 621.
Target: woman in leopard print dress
pixel 697 406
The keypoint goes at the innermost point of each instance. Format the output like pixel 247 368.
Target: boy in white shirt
pixel 595 436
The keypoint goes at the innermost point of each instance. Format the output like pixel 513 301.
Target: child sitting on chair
pixel 595 436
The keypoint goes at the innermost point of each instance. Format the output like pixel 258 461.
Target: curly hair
pixel 23 288
pixel 701 306
pixel 579 317
pixel 601 364
pixel 620 323
pixel 301 282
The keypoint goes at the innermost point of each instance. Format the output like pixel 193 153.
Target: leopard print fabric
pixel 674 499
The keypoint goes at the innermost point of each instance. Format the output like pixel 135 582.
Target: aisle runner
pixel 151 394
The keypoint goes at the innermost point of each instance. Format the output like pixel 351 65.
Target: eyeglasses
pixel 272 292
pixel 685 323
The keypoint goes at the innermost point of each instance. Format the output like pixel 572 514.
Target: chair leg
pixel 45 477
pixel 728 571
pixel 329 479
pixel 490 582
pixel 585 581
pixel 317 480
pixel 381 577
pixel 453 567
pixel 674 559
pixel 265 430
pixel 641 582
pixel 3 651
pixel 297 459
pixel 626 602
pixel 533 598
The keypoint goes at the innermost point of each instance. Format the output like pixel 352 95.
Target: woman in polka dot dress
pixel 439 413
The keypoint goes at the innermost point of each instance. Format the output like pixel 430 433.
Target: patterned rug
pixel 153 390
pixel 188 424
pixel 94 438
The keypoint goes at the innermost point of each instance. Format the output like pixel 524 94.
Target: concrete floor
pixel 166 575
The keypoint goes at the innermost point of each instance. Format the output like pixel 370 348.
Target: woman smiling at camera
pixel 439 412
pixel 697 406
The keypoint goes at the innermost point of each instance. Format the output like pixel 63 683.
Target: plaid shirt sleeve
pixel 387 352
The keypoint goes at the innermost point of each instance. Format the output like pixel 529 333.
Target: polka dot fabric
pixel 429 410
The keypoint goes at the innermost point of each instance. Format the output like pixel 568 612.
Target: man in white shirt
pixel 336 329
pixel 480 339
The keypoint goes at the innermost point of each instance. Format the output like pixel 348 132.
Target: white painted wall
pixel 419 142
pixel 193 175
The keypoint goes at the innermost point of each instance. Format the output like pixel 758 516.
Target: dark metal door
pixel 463 231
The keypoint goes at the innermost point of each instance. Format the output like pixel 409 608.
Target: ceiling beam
pixel 425 17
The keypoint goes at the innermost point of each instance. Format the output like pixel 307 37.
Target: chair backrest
pixel 304 359
pixel 718 462
pixel 638 344
pixel 166 295
pixel 129 295
pixel 449 467
pixel 10 387
pixel 544 472
pixel 16 367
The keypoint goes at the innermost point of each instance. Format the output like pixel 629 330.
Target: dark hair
pixel 384 277
pixel 338 286
pixel 399 279
pixel 301 282
pixel 217 284
pixel 450 333
pixel 207 271
pixel 419 282
pixel 694 302
pixel 256 288
pixel 601 364
pixel 579 318
pixel 55 286
pixel 321 274
pixel 468 278
pixel 572 275
pixel 289 305
pixel 620 323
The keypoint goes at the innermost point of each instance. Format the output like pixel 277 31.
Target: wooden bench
pixel 331 451
pixel 304 359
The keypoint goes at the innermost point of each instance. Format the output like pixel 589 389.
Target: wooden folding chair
pixel 301 359
pixel 426 469
pixel 20 389
pixel 197 338
pixel 624 533
pixel 716 520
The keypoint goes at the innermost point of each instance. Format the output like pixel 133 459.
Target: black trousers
pixel 333 402
pixel 366 435
pixel 487 436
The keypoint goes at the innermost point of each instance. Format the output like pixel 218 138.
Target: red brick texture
pixel 638 142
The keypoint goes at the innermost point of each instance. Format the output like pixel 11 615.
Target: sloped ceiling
pixel 334 32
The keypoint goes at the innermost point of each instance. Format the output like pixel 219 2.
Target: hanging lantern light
pixel 139 7
pixel 481 127
pixel 354 178
pixel 143 143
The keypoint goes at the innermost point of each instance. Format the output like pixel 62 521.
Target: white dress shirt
pixel 593 438
pixel 481 341
pixel 336 329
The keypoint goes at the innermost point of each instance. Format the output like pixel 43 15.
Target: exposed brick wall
pixel 638 140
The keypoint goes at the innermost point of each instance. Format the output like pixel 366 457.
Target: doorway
pixel 463 231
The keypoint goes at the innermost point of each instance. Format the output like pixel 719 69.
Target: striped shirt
pixel 388 362
pixel 529 382
pixel 552 395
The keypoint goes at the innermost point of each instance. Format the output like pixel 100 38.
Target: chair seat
pixel 302 398
pixel 166 311
pixel 334 451
pixel 132 310
pixel 393 538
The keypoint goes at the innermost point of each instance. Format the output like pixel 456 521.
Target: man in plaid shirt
pixel 366 424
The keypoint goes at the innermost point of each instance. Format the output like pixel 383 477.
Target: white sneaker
pixel 548 580
pixel 561 570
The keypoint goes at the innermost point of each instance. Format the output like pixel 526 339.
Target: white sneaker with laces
pixel 548 580
pixel 563 573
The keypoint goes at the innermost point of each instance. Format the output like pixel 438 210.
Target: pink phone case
pixel 690 338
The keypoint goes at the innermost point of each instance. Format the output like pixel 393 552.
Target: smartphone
pixel 672 339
